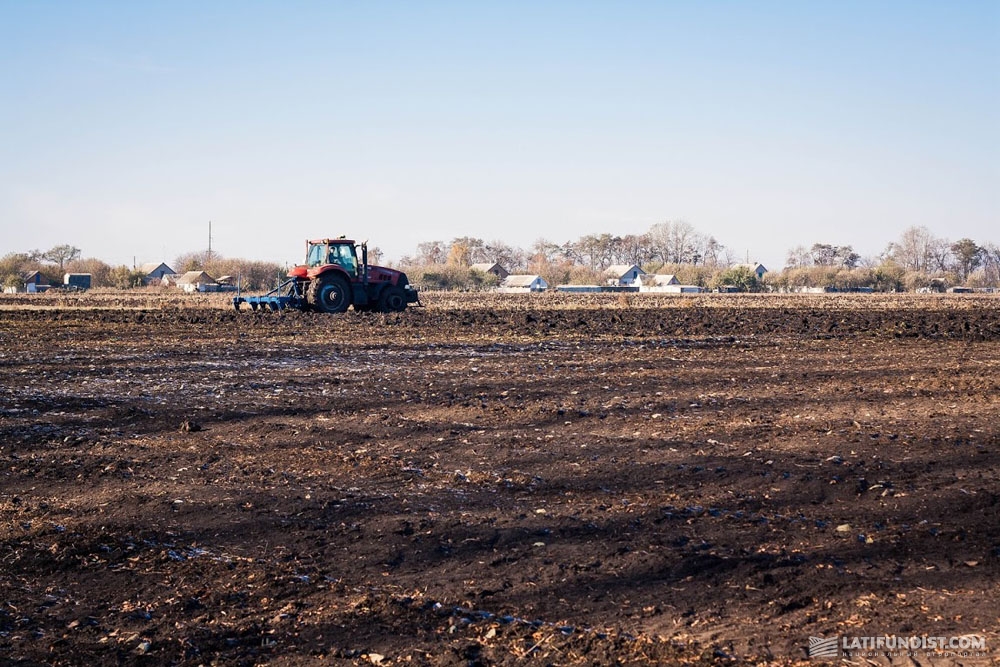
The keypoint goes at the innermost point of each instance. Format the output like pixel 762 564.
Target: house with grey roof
pixel 154 273
pixel 623 275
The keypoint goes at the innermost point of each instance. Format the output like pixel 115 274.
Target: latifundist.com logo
pixel 824 648
pixel 891 646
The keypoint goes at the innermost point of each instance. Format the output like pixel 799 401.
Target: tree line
pixel 54 263
pixel 916 260
pixel 440 265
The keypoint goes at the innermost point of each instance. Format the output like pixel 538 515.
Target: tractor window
pixel 343 254
pixel 317 253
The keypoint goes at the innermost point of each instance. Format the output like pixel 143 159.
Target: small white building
pixel 197 281
pixel 523 283
pixel 666 283
pixel 648 281
pixel 623 275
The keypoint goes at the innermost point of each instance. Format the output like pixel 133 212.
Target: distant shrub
pixel 741 277
pixel 123 277
pixel 449 277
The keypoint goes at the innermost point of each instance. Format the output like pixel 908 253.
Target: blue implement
pixel 288 294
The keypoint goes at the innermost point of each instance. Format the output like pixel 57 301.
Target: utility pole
pixel 209 239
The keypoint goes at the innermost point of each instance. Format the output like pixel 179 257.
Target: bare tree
pixel 940 254
pixel 713 249
pixel 596 251
pixel 916 250
pixel 543 250
pixel 846 256
pixel 506 255
pixel 968 257
pixel 431 252
pixel 467 250
pixel 61 254
pixel 991 263
pixel 632 249
pixel 823 254
pixel 193 261
pixel 677 242
pixel 798 257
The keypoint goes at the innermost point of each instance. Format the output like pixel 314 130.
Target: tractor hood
pixel 380 273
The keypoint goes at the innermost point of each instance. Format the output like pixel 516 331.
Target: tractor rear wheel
pixel 329 294
pixel 393 300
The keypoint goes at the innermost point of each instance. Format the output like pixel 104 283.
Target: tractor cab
pixel 340 252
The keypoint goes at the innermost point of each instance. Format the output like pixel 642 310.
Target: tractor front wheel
pixel 329 294
pixel 393 300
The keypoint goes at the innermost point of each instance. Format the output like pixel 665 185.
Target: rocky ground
pixel 497 481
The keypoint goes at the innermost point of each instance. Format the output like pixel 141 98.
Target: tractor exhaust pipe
pixel 364 263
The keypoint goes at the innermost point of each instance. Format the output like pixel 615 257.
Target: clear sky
pixel 126 126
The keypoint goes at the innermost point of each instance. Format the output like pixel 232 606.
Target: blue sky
pixel 127 126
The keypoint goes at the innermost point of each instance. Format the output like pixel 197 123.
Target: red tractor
pixel 332 280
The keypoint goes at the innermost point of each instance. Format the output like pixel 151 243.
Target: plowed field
pixel 553 480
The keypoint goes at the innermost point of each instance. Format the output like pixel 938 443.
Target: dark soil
pixel 457 486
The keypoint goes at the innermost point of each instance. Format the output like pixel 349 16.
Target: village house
pixel 154 273
pixel 34 281
pixel 623 275
pixel 197 281
pixel 650 280
pixel 756 267
pixel 523 283
pixel 666 283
